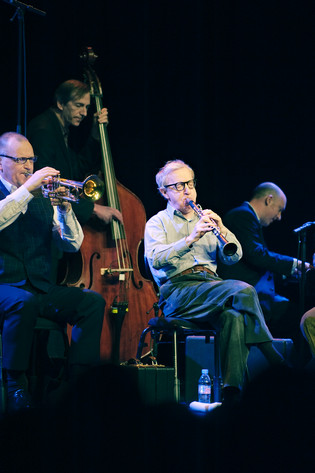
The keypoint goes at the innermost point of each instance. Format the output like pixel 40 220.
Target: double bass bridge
pixel 120 272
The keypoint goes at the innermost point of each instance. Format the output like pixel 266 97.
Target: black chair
pixel 175 326
pixel 161 325
pixel 48 360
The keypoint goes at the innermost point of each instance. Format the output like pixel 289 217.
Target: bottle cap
pixel 204 371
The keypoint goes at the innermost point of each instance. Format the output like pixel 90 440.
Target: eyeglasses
pixel 20 160
pixel 179 186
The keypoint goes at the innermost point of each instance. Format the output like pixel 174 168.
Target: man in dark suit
pixel 50 134
pixel 29 226
pixel 259 266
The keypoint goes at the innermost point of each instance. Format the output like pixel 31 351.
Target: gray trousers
pixel 228 305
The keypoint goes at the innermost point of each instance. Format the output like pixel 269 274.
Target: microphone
pixel 24 6
pixel 305 225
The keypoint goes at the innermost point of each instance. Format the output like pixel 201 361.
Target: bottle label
pixel 204 389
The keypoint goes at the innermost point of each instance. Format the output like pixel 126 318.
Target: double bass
pixel 109 256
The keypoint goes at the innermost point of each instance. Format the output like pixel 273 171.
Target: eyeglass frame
pixel 175 184
pixel 20 160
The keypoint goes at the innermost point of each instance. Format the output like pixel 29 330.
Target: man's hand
pixel 40 177
pixel 102 116
pixel 99 118
pixel 206 223
pixel 215 221
pixel 107 214
pixel 57 200
pixel 299 266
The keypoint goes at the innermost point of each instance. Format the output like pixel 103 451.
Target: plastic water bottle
pixel 204 387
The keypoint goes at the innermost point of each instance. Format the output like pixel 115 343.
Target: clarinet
pixel 229 249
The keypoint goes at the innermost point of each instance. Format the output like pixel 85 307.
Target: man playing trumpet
pixel 29 227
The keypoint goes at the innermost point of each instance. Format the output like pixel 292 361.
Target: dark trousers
pixel 229 305
pixel 20 307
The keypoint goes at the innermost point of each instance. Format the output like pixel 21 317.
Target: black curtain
pixel 226 86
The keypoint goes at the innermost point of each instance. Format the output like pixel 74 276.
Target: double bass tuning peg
pixel 88 56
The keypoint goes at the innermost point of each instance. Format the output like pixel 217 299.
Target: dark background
pixel 227 86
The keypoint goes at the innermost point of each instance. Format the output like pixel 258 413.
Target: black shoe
pixel 231 396
pixel 18 400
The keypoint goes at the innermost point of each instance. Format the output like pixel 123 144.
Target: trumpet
pixel 92 188
pixel 229 249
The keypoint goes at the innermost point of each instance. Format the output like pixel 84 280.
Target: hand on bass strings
pixel 107 214
pixel 99 119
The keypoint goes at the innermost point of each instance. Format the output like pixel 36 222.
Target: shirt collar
pixel 171 211
pixel 253 211
pixel 10 187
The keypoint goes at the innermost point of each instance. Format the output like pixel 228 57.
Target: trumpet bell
pixel 93 188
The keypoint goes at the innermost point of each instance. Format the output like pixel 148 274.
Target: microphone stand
pixel 302 243
pixel 19 13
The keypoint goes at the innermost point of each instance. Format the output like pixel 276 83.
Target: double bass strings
pixel 118 232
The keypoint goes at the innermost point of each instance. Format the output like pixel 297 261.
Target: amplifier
pixel 200 354
pixel 155 383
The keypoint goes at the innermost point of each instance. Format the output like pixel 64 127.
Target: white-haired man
pixel 182 252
